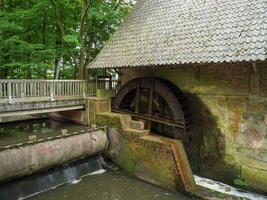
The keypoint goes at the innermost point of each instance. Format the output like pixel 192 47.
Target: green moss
pixel 149 159
pixel 240 182
pixel 127 161
pixel 255 178
pixel 109 119
pixel 105 93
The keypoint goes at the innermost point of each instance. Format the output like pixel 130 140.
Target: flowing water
pixel 84 179
pixel 81 180
pixel 109 186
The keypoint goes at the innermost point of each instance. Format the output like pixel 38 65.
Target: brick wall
pixel 229 106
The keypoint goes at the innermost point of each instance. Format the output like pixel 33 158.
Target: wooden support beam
pixel 255 80
pixel 150 102
pixel 177 124
pixel 137 97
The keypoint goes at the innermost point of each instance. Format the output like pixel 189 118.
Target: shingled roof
pixel 164 32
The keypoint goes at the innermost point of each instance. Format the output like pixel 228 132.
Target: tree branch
pixel 2 4
pixel 118 4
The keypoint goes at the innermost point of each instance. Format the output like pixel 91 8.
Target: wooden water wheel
pixel 158 102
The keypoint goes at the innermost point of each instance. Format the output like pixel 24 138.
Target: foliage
pixel 240 182
pixel 39 37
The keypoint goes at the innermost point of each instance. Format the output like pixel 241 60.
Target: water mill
pixel 133 99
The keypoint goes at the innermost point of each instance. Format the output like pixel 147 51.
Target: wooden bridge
pixel 22 97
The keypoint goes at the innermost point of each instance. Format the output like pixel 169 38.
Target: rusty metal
pixel 20 160
pixel 23 144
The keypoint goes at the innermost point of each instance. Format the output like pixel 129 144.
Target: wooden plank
pixel 137 97
pixel 178 124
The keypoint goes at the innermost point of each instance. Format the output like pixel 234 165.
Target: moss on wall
pixel 102 93
pixel 148 157
pixel 229 114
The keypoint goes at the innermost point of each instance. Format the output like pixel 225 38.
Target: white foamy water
pixel 76 181
pixel 227 189
pixel 101 171
pixel 73 182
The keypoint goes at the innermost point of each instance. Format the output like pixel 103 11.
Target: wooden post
pixel 84 89
pixel 150 102
pixel 137 97
pixel 255 80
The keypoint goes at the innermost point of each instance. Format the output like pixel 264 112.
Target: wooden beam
pixel 255 80
pixel 137 97
pixel 178 124
pixel 150 102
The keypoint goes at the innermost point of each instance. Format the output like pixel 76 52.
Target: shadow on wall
pixel 208 144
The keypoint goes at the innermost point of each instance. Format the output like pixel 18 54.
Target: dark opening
pixel 159 102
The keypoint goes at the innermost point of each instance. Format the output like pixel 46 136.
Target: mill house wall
pixel 229 118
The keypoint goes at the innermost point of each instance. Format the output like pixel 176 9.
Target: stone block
pixel 33 137
pixel 152 158
pixel 138 125
pixel 95 105
pixel 255 107
pixel 237 104
pixel 255 117
pixel 221 101
pixel 102 93
pixel 244 159
pixel 255 178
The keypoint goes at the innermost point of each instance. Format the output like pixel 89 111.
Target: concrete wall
pixel 76 116
pixel 229 107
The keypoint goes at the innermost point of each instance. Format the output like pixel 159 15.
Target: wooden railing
pixel 42 90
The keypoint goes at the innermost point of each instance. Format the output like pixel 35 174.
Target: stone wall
pixel 229 107
pixel 158 160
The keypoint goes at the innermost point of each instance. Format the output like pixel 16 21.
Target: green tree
pixel 55 38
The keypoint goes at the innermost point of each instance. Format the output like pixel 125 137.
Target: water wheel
pixel 158 102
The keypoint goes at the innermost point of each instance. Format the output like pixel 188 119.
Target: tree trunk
pixel 4 70
pixel 57 59
pixel 81 68
pixel 4 73
pixel 44 26
pixel 2 4
pixel 60 27
pixel 29 73
pixel 89 42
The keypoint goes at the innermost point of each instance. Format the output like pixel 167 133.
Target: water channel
pixel 85 179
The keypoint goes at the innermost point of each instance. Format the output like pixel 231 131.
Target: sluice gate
pixel 28 158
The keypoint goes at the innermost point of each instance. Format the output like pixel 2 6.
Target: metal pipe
pixel 18 162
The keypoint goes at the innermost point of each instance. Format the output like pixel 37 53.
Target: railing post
pixel 110 84
pixel 96 86
pixel 37 90
pixel 9 93
pixel 84 83
pixel 22 89
pixel 52 91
